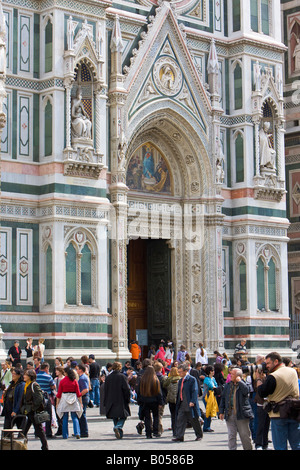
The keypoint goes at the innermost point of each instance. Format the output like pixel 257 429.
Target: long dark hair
pixel 70 373
pixel 149 384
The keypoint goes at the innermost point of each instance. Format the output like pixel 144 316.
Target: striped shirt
pixel 45 381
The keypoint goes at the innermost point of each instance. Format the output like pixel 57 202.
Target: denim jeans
pixel 83 421
pixel 207 421
pixel 76 427
pixel 119 423
pixel 95 392
pixel 284 431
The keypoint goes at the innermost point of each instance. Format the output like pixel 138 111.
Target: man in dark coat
pixel 187 406
pixel 117 398
pixel 236 409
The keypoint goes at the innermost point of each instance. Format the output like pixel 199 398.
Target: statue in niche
pixel 296 55
pixel 219 172
pixel 267 153
pixel 81 124
pixel 71 25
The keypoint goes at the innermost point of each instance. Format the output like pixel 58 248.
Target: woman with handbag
pixel 32 404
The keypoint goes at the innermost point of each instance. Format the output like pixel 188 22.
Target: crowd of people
pixel 252 398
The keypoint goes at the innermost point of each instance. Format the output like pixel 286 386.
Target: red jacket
pixel 160 354
pixel 67 386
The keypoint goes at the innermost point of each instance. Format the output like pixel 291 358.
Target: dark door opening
pixel 149 290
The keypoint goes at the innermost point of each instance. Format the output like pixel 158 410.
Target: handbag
pixel 41 417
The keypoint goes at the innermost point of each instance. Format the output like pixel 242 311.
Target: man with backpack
pixel 47 384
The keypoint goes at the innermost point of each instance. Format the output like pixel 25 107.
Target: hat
pixel 73 364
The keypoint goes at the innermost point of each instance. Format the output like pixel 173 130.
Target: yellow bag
pixel 211 405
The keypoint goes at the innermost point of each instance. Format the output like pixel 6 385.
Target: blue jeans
pixel 76 427
pixel 207 421
pixel 95 392
pixel 83 421
pixel 119 423
pixel 284 431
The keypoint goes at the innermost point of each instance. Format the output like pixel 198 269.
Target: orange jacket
pixel 135 351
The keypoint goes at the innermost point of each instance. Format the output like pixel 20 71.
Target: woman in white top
pixel 39 350
pixel 201 355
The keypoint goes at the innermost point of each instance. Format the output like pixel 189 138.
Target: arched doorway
pixel 168 265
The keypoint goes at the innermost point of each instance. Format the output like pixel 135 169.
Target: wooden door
pixel 137 287
pixel 158 291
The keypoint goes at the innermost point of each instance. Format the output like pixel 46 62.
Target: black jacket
pixel 243 407
pixel 116 396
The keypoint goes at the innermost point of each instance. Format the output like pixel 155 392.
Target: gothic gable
pixel 162 70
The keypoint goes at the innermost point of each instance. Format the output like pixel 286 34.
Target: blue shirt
pixel 83 383
pixel 45 381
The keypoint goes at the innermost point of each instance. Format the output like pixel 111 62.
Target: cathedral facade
pixel 143 188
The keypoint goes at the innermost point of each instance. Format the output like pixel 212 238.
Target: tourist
pixel 117 398
pixel 201 355
pixel 171 385
pixel 218 357
pixel 37 364
pixel 15 353
pixel 181 354
pixel 32 402
pixel 263 419
pixel 47 384
pixel 152 352
pixel 169 354
pixel 240 349
pixel 149 397
pixel 29 350
pixel 83 383
pixel 236 409
pixel 209 384
pixel 5 375
pixel 140 426
pixel 69 400
pixel 281 382
pixel 94 380
pixel 158 367
pixel 196 372
pixel 187 407
pixel 135 352
pixel 39 350
pixel 12 397
pixel 161 354
pixel 60 373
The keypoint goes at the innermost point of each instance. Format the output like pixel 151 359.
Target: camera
pixel 252 368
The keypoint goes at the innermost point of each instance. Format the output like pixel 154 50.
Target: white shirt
pixel 202 359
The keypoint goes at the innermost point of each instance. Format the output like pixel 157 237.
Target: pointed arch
pixel 81 267
pixel 242 276
pixel 238 84
pixel 268 270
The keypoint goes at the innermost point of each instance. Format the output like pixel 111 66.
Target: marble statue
pixel 81 124
pixel 267 153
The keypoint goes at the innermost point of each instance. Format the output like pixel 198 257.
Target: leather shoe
pixel 198 438
pixel 178 439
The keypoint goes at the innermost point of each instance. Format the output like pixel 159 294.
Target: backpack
pixel 38 397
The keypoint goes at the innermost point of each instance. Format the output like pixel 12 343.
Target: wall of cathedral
pixel 54 206
pixel 291 37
